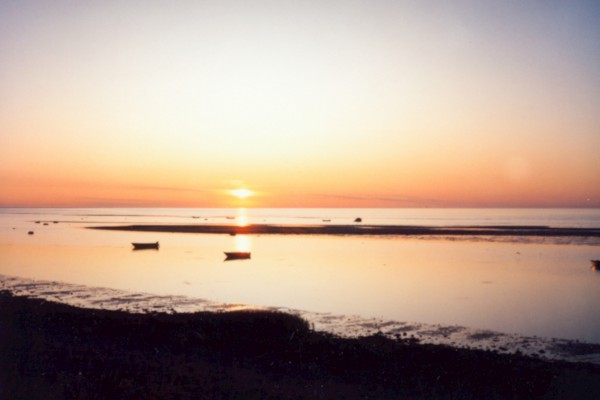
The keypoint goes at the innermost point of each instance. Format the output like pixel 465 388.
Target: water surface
pixel 511 286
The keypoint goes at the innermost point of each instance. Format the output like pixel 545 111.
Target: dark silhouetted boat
pixel 595 265
pixel 145 246
pixel 237 255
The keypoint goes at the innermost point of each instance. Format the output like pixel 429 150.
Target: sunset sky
pixel 326 103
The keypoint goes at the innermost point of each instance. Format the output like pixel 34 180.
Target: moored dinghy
pixel 145 246
pixel 237 255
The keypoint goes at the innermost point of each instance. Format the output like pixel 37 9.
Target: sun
pixel 241 193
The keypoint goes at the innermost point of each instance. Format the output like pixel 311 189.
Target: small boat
pixel 144 246
pixel 595 265
pixel 237 255
pixel 359 219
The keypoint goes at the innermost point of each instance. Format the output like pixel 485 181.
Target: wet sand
pixel 506 234
pixel 359 229
pixel 63 341
pixel 346 326
pixel 52 350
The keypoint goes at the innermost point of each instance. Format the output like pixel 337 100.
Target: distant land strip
pixel 264 229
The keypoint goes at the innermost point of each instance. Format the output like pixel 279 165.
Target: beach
pixel 347 326
pixel 57 351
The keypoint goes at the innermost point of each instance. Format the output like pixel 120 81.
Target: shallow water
pixel 511 286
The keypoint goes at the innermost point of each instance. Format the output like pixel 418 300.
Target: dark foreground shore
pixel 264 229
pixel 55 351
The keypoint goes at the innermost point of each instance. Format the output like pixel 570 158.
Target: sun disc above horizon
pixel 242 193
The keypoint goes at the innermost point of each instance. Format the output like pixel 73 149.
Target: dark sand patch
pixel 347 326
pixel 56 351
pixel 361 230
pixel 509 234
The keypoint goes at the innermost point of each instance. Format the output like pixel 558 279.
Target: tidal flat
pixel 57 351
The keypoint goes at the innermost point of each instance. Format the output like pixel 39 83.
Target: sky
pixel 380 103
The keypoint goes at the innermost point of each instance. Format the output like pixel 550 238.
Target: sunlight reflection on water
pixel 535 289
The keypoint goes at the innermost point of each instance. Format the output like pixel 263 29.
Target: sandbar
pixel 398 230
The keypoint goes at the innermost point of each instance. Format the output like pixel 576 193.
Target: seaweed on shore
pixel 55 351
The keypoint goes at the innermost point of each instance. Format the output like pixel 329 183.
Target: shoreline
pixel 55 351
pixel 344 326
pixel 394 230
pixel 52 350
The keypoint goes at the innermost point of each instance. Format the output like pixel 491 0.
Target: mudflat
pixel 543 231
pixel 56 351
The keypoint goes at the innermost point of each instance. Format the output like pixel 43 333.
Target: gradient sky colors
pixel 307 103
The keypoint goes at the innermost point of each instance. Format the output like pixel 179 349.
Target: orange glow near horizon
pixel 333 107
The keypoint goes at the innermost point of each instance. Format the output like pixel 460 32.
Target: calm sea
pixel 561 217
pixel 515 285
